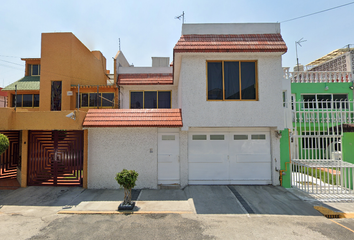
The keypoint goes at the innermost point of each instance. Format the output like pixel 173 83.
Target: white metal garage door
pixel 229 157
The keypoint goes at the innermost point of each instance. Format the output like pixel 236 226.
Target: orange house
pixel 46 109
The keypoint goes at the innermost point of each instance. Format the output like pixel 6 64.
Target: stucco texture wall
pixel 125 93
pixel 110 150
pixel 64 58
pixel 198 112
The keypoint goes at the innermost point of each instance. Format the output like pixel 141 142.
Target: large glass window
pixel 150 99
pixel 325 101
pixel 91 100
pixel 25 100
pixel 231 80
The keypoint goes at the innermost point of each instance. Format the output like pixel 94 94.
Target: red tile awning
pixel 145 79
pixel 133 118
pixel 231 43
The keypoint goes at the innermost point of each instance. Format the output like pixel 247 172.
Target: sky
pixel 149 29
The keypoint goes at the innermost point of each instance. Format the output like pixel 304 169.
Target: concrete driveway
pixel 269 200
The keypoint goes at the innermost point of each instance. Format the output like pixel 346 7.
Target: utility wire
pixel 317 12
pixel 9 56
pixel 12 63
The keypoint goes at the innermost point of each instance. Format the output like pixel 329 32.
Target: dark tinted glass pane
pixel 93 100
pixel 27 100
pixel 164 100
pixel 341 98
pixel 215 80
pixel 150 100
pixel 136 100
pixel 107 99
pixel 309 101
pixel 56 96
pixel 18 100
pixel 248 80
pixel 84 99
pixel 36 100
pixel 35 69
pixel 231 78
pixel 324 101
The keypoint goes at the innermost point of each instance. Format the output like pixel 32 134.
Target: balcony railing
pixel 317 77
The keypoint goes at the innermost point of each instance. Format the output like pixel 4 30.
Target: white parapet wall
pixel 231 28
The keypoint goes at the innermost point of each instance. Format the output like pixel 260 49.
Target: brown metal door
pixel 55 158
pixel 10 158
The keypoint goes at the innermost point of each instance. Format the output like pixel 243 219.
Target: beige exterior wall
pixel 64 58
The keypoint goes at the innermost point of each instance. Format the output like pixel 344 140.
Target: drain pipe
pixel 283 172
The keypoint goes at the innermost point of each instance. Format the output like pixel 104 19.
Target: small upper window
pixel 35 69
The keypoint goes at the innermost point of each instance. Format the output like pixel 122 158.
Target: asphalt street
pixel 219 212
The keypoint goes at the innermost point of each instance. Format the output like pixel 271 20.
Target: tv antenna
pixel 298 43
pixel 181 16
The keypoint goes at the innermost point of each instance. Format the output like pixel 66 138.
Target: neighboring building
pixel 326 87
pixel 321 125
pixel 43 119
pixel 3 98
pixel 211 117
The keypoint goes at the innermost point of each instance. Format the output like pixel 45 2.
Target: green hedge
pixel 4 143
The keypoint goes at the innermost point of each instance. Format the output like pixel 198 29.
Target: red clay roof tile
pixel 133 118
pixel 231 43
pixel 145 79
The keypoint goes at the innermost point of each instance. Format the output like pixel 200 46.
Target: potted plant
pixel 126 179
pixel 4 143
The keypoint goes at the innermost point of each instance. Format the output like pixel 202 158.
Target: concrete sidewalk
pixel 240 200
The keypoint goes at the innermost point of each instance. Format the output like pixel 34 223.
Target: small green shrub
pixel 4 143
pixel 127 178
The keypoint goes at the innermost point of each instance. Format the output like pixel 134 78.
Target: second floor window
pixel 232 80
pixel 150 99
pixel 92 100
pixel 35 70
pixel 25 100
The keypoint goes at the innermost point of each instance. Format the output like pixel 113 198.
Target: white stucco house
pixel 209 117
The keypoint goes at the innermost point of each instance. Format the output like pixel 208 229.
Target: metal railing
pixel 317 127
pixel 323 176
pixel 317 76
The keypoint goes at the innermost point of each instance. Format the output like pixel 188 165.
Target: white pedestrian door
pixel 168 158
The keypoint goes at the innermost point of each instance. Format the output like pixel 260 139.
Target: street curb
pixel 123 212
pixel 328 213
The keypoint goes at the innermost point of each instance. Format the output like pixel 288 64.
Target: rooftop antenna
pixel 298 43
pixel 181 16
pixel 119 43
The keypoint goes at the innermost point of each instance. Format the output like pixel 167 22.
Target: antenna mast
pixel 181 16
pixel 298 43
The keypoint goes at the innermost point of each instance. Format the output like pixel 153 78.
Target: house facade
pixel 46 108
pixel 212 116
pixel 3 99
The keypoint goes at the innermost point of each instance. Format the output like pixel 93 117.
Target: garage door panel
pixel 230 157
pixel 250 171
pixel 207 158
pixel 210 171
pixel 250 158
